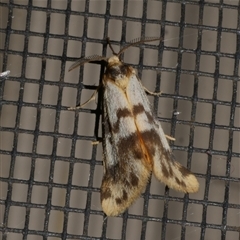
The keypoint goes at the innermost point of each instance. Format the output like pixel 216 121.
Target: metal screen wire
pixel 50 172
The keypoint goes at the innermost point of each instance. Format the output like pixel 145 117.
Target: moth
pixel 134 144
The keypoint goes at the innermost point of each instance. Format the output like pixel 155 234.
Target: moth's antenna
pixel 138 41
pixel 110 45
pixel 81 61
pixel 96 58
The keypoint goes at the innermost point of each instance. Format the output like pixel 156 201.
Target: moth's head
pixel 117 71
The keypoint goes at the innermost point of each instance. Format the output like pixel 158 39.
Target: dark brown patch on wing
pixel 123 198
pixel 151 136
pixel 180 182
pixel 111 175
pixel 151 139
pixel 106 193
pixel 128 145
pixel 133 179
pixel 177 180
pixel 185 172
pixel 116 175
pixel 137 109
pixel 183 184
pixel 121 113
pixel 170 161
pixel 170 170
pixel 164 170
pixel 125 195
pixel 118 200
pixel 150 117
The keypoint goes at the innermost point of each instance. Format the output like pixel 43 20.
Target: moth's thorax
pixel 118 72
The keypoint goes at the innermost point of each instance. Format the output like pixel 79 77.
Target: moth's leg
pixel 93 97
pixel 151 93
pixel 97 142
pixel 170 138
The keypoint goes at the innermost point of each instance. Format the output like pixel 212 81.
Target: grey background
pixel 95 30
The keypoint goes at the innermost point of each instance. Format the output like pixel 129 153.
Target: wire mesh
pixel 51 173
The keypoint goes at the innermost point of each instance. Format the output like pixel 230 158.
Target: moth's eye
pixel 124 69
pixel 114 72
pixel 117 72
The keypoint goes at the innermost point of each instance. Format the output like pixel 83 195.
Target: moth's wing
pixel 165 168
pixel 126 171
pixel 173 174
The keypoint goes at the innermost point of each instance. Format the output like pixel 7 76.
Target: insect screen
pixel 50 165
